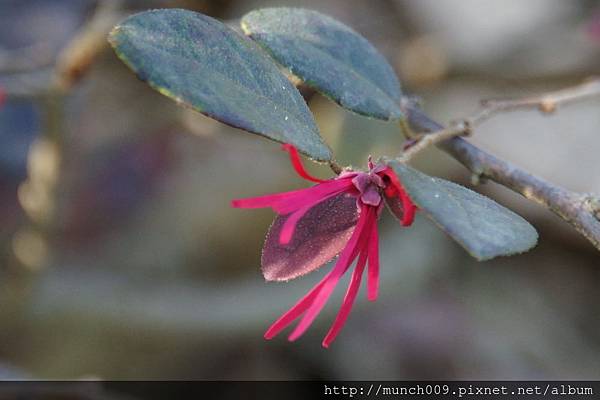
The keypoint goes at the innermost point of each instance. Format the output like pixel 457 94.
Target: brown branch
pixel 47 75
pixel 582 211
pixel 77 57
pixel 424 141
pixel 546 103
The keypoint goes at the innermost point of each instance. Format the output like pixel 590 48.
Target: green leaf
pixel 482 226
pixel 330 57
pixel 201 63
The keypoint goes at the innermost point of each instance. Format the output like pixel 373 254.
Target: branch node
pixel 592 204
pixel 478 178
pixel 408 143
pixel 486 103
pixel 547 106
pixel 466 126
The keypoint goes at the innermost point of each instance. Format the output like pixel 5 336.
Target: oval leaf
pixel 330 57
pixel 319 236
pixel 201 63
pixel 483 227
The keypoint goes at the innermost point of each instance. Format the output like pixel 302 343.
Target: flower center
pixel 369 184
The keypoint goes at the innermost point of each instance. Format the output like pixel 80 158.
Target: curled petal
pixel 404 211
pixel 398 200
pixel 297 163
pixel 409 208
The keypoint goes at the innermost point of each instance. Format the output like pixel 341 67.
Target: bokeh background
pixel 120 257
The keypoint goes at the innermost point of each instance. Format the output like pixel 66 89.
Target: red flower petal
pixel 354 245
pixel 398 200
pixel 295 311
pixel 297 163
pixel 348 301
pixel 287 202
pixel 373 274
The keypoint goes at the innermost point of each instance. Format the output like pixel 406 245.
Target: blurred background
pixel 120 257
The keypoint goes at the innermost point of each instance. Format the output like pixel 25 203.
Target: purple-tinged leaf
pixel 330 57
pixel 320 235
pixel 201 63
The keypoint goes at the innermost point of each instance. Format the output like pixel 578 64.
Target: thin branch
pixel 582 211
pixel 77 57
pixel 546 103
pixel 423 141
pixel 36 70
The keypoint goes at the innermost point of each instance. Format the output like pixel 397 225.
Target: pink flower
pixel 335 216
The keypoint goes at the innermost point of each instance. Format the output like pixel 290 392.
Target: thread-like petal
pixel 341 266
pixel 286 202
pixel 410 209
pixel 297 163
pixel 312 227
pixel 295 311
pixel 373 273
pixel 312 195
pixel 287 231
pixel 348 301
pixel 261 201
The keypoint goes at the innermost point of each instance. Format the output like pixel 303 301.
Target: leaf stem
pixel 335 167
